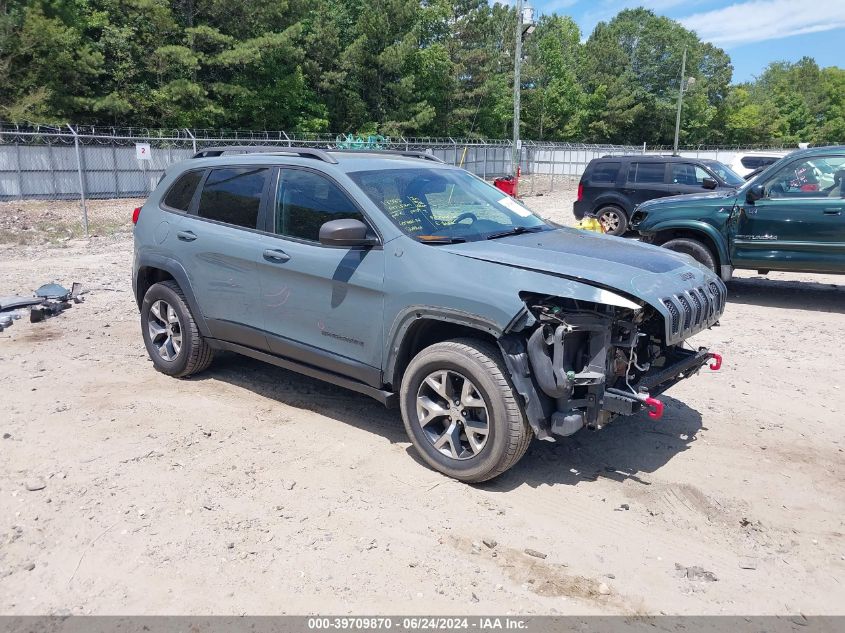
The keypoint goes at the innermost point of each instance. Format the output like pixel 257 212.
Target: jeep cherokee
pixel 419 284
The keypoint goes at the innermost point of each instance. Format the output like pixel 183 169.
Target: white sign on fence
pixel 142 151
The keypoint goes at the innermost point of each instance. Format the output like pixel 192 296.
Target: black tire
pixel 613 219
pixel 509 433
pixel 194 354
pixel 695 249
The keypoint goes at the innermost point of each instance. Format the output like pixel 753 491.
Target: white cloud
pixel 760 20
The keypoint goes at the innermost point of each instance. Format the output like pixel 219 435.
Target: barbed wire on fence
pixel 83 162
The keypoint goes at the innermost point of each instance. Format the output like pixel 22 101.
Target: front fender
pixel 693 226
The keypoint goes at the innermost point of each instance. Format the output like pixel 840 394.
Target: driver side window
pixel 305 201
pixel 815 177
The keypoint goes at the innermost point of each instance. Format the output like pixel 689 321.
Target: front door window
pixel 815 177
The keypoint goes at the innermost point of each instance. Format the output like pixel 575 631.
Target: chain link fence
pixel 88 164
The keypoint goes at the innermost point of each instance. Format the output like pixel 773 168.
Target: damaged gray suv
pixel 418 284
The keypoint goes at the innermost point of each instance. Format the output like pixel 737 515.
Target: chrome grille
pixel 676 316
pixel 698 311
pixel 705 300
pixel 687 311
pixel 693 310
pixel 717 293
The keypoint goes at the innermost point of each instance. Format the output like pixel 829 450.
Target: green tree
pixel 553 97
pixel 637 58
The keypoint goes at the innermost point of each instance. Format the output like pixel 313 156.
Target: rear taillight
pixel 136 214
pixel 580 191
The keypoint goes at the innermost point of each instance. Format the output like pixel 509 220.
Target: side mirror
pixel 709 183
pixel 755 192
pixel 347 232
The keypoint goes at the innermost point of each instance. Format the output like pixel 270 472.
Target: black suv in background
pixel 612 186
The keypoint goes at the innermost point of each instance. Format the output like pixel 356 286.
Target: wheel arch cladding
pixel 700 231
pixel 420 327
pixel 153 269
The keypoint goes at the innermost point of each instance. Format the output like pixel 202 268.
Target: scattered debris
pixel 535 553
pixel 696 573
pixel 747 562
pixel 35 484
pixel 49 300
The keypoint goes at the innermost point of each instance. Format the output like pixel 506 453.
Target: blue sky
pixel 753 32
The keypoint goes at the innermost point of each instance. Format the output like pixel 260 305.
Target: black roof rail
pixel 641 155
pixel 392 152
pixel 311 152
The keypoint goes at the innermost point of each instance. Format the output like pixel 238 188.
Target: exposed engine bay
pixel 580 364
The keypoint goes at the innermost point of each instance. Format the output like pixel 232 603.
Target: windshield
pixel 445 205
pixel 728 175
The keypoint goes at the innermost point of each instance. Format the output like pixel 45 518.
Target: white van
pixel 744 163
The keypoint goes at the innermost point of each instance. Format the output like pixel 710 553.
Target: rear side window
pixel 753 162
pixel 686 174
pixel 646 173
pixel 605 172
pixel 233 195
pixel 305 201
pixel 180 194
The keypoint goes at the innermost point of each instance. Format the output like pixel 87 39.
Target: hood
pixel 720 194
pixel 646 272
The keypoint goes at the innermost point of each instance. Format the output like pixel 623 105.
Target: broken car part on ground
pixel 49 300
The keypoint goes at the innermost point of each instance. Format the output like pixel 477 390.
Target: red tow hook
pixel 656 408
pixel 654 404
pixel 716 365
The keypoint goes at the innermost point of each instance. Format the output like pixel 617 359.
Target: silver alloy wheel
pixel 452 414
pixel 610 221
pixel 165 330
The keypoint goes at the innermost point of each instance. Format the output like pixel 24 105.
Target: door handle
pixel 186 236
pixel 276 255
pixel 833 211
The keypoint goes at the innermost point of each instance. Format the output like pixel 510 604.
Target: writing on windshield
pixel 438 204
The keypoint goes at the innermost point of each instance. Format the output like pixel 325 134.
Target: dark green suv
pixel 791 217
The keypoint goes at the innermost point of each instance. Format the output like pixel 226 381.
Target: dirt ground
pixel 250 489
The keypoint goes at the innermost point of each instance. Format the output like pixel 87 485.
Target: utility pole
pixel 517 63
pixel 680 99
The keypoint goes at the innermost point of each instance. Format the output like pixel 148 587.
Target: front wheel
pixel 461 412
pixel 695 249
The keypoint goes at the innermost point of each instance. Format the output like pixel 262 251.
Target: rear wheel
pixel 613 219
pixel 461 411
pixel 170 333
pixel 695 249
